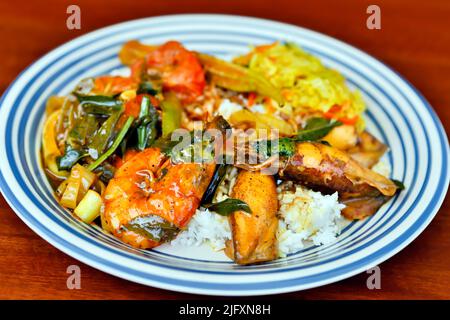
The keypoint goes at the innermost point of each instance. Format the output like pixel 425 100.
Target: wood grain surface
pixel 414 40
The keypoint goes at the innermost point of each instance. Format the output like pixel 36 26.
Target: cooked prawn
pixel 149 186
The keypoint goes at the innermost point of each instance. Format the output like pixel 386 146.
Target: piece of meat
pixel 254 235
pixel 328 169
pixel 368 150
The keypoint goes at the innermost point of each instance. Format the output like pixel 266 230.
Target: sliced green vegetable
pixel 171 114
pixel 88 209
pixel 284 148
pixel 228 206
pixel 153 227
pixel 148 118
pixel 315 129
pixel 115 144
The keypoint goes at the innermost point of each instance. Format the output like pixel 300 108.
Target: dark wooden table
pixel 414 39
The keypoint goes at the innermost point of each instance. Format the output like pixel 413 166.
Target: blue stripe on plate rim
pixel 254 287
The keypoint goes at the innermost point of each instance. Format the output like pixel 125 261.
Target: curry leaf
pixel 83 129
pixel 399 184
pixel 102 137
pixel 115 144
pixel 228 206
pixel 146 87
pixel 316 129
pixel 69 159
pixel 153 227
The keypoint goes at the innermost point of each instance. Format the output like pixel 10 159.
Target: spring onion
pixel 89 207
pixel 148 117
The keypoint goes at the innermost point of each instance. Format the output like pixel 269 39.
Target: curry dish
pixel 111 154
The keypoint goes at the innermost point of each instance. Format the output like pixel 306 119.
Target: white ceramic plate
pixel 397 114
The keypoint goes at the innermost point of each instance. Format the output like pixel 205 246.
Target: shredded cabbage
pixel 307 85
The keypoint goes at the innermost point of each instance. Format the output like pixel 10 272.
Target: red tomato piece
pixel 181 70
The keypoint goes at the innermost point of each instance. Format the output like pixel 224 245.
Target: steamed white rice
pixel 208 227
pixel 305 217
pixel 205 227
